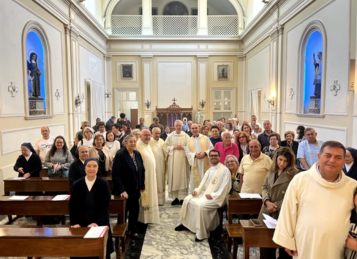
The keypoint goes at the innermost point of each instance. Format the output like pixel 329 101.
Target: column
pixel 275 76
pixel 241 93
pixel 202 18
pixel 109 94
pixel 73 77
pixel 147 17
pixel 202 86
pixel 147 88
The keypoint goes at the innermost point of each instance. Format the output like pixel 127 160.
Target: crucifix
pixel 12 89
pixel 174 100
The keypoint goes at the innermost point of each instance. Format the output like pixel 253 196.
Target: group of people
pixel 208 162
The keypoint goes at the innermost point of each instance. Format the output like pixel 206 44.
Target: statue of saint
pixel 317 78
pixel 199 116
pixel 34 74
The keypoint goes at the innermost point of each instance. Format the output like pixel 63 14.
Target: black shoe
pixel 180 228
pixel 137 237
pixel 175 202
pixel 198 240
pixel 181 202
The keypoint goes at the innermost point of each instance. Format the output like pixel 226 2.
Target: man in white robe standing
pixel 315 217
pixel 199 210
pixel 197 151
pixel 149 206
pixel 156 144
pixel 177 165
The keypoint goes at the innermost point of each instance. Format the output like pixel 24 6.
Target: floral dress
pixel 235 184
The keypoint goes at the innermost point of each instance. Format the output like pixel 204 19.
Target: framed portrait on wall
pixel 127 71
pixel 223 72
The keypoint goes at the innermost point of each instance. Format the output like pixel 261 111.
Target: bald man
pixel 263 138
pixel 149 209
pixel 197 150
pixel 156 143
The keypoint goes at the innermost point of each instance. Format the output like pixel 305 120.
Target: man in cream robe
pixel 199 210
pixel 156 144
pixel 177 166
pixel 149 209
pixel 315 217
pixel 197 155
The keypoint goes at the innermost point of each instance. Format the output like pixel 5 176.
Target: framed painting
pixel 223 72
pixel 127 71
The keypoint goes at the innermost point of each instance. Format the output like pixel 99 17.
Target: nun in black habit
pixel 350 168
pixel 89 202
pixel 29 163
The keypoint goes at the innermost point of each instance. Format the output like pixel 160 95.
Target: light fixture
pixel 147 104
pixel 107 95
pixel 57 94
pixel 271 99
pixel 12 88
pixel 79 99
pixel 202 103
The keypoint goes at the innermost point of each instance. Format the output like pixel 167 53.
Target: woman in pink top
pixel 227 147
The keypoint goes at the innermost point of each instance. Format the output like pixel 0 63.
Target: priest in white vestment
pixel 199 210
pixel 197 151
pixel 149 206
pixel 156 144
pixel 177 169
pixel 315 217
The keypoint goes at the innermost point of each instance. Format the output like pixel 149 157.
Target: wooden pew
pixel 50 242
pixel 44 206
pixel 236 205
pixel 256 237
pixel 38 184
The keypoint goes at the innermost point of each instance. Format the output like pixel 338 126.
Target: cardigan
pixel 33 166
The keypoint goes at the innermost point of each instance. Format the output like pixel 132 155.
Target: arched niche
pixel 37 71
pixel 312 67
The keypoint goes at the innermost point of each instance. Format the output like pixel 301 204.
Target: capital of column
pixel 146 58
pixel 71 30
pixel 242 58
pixel 202 59
pixel 108 57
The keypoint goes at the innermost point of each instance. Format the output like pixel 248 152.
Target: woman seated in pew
pixel 101 152
pixel 28 163
pixel 233 166
pixel 90 200
pixel 276 182
pixel 59 158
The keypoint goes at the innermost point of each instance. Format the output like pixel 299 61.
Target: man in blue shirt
pixel 308 149
pixel 216 135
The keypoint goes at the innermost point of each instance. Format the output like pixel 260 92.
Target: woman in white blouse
pixel 112 144
pixel 87 138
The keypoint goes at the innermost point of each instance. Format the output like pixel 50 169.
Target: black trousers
pixel 270 253
pixel 132 207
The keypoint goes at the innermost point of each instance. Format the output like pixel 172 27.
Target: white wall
pixel 337 61
pixel 175 80
pixel 13 62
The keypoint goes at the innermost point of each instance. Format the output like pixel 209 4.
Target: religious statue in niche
pixel 34 75
pixel 317 79
pixel 199 116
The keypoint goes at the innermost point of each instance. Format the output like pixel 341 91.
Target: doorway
pixel 127 101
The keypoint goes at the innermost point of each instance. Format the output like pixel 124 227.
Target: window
pixel 222 101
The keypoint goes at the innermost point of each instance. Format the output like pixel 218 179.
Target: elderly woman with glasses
pixel 242 140
pixel 233 165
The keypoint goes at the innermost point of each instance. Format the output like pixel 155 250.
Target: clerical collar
pixel 336 181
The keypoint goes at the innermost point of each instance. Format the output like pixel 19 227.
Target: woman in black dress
pixel 129 180
pixel 89 203
pixel 29 163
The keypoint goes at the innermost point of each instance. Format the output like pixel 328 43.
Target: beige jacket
pixel 108 160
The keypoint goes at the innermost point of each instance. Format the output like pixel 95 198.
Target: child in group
pixel 351 241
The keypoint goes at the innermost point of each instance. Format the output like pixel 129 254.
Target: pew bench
pixel 118 232
pixel 45 242
pixel 238 206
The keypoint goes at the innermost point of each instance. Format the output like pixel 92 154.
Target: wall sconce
pixel 271 99
pixel 202 103
pixel 79 99
pixel 147 104
pixel 57 94
pixel 107 95
pixel 12 88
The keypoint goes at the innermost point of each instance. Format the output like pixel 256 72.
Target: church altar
pixel 169 115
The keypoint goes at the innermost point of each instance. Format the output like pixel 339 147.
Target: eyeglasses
pixel 241 137
pixel 214 156
pixel 230 161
